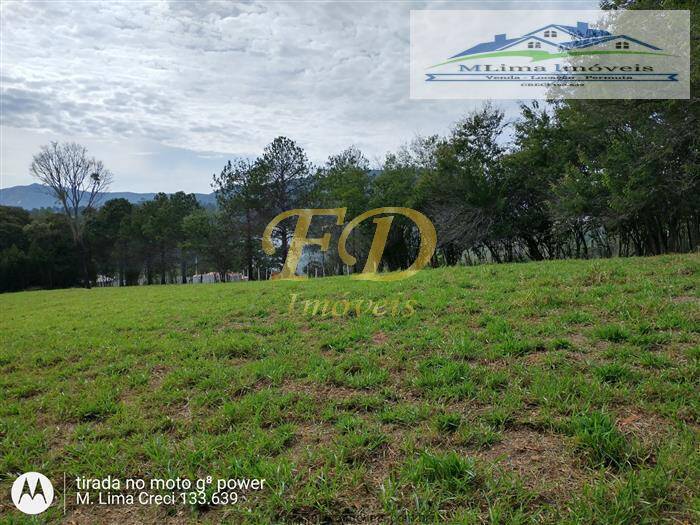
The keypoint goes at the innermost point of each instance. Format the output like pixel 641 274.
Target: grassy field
pixel 554 392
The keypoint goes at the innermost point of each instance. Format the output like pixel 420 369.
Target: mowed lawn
pixel 554 392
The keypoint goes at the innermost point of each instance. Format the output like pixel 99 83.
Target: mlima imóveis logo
pixel 553 41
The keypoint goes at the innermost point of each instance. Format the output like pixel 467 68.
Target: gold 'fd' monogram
pixel 428 240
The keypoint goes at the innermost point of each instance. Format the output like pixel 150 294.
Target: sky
pixel 166 92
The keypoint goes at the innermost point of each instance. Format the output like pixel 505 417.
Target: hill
pixel 34 196
pixel 555 392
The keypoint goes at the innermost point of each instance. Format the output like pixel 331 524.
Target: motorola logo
pixel 32 493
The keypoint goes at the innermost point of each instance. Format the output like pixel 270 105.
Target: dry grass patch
pixel 543 462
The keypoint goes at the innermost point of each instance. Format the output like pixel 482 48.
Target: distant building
pixel 215 277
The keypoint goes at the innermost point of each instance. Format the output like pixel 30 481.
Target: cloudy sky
pixel 165 92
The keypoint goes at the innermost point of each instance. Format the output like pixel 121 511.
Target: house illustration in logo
pixel 557 40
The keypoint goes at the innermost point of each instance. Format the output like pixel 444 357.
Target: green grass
pixel 552 392
pixel 598 438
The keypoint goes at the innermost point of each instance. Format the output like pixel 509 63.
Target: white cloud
pixel 213 79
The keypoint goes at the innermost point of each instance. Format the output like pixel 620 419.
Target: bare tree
pixel 77 181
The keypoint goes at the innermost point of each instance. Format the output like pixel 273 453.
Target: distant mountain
pixel 36 196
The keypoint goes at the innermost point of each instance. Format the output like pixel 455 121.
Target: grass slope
pixel 556 392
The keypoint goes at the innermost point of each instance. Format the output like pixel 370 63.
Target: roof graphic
pixel 578 44
pixel 582 36
pixel 581 30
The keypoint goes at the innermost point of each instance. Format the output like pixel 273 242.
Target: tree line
pixel 573 179
pixel 567 179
